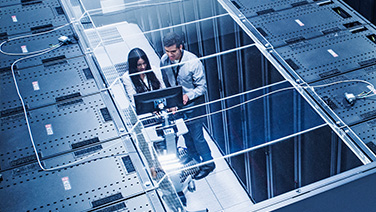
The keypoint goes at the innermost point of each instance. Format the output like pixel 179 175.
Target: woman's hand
pixel 173 110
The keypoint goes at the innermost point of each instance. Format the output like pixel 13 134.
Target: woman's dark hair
pixel 133 56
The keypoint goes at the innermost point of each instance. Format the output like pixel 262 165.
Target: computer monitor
pixel 147 102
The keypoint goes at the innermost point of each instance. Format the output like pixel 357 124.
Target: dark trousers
pixel 194 139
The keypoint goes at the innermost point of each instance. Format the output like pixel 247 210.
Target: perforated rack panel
pixel 22 18
pixel 305 22
pixel 262 7
pixel 366 132
pixel 36 43
pixel 55 128
pixel 139 204
pixel 68 76
pixel 75 188
pixel 7 3
pixel 334 95
pixel 331 55
pixel 73 123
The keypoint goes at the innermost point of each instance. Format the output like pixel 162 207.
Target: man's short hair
pixel 172 38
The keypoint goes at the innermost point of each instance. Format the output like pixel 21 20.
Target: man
pixel 190 75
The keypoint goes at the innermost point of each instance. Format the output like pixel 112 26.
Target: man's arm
pixel 198 80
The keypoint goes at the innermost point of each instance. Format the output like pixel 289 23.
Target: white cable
pixel 226 98
pixel 23 103
pixel 26 36
pixel 367 96
pixel 34 54
pixel 372 87
pixel 344 81
pixel 32 35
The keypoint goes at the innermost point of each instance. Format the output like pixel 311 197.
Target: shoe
pixel 204 171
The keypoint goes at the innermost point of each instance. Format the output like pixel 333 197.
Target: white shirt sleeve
pixel 129 87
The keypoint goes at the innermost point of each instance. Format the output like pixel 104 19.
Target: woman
pixel 143 82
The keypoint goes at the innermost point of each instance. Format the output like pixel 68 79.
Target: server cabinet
pixel 261 7
pixel 7 3
pixel 305 22
pixel 329 55
pixel 106 178
pixel 31 17
pixel 366 132
pixel 68 76
pixel 36 43
pixel 69 125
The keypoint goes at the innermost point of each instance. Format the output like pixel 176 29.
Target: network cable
pixel 22 101
pixel 350 97
pixel 62 39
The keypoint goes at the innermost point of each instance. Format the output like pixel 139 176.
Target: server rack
pixel 63 147
pixel 322 59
